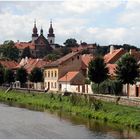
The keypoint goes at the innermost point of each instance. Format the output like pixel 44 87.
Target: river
pixel 20 123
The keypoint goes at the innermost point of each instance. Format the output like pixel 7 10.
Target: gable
pixel 41 40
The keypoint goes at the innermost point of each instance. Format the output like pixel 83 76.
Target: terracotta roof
pixel 86 58
pixel 82 47
pixel 8 64
pixel 22 45
pixel 32 63
pixel 112 68
pixel 68 76
pixel 114 56
pixel 62 59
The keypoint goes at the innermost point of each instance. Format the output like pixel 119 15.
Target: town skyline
pixel 104 22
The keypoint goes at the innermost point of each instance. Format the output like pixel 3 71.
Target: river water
pixel 20 123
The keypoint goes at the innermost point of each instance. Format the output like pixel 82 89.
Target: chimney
pixel 111 49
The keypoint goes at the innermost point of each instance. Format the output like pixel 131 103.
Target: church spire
pixel 41 31
pixel 51 34
pixel 34 34
pixel 35 28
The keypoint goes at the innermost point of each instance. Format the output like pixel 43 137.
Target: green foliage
pixel 108 87
pixel 116 87
pixel 106 111
pixel 1 74
pixel 101 90
pixel 36 75
pixel 97 71
pixel 127 69
pixel 26 53
pixel 71 42
pixel 21 75
pixel 9 50
pixel 52 57
pixel 87 81
pixel 9 76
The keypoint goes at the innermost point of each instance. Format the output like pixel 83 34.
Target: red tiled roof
pixel 86 58
pixel 8 64
pixel 62 59
pixel 22 45
pixel 32 63
pixel 114 56
pixel 112 68
pixel 68 76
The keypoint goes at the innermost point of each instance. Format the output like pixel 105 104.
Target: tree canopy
pixel 97 70
pixel 71 42
pixel 21 75
pixel 127 69
pixel 26 53
pixel 36 75
pixel 9 76
pixel 1 74
pixel 9 50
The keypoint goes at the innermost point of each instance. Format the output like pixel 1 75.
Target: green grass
pixel 79 105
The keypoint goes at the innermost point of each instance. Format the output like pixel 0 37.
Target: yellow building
pixel 57 69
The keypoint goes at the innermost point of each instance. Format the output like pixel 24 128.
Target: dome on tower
pixel 51 34
pixel 35 28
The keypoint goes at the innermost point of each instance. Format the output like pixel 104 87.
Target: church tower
pixel 41 31
pixel 51 36
pixel 35 34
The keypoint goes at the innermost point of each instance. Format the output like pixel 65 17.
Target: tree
pixel 1 74
pixel 71 42
pixel 97 71
pixel 9 50
pixel 36 75
pixel 26 53
pixel 127 71
pixel 9 76
pixel 21 75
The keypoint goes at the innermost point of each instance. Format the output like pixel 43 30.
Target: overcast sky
pixel 101 21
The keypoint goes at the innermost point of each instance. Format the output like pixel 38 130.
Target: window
pixel 48 73
pixel 50 41
pixel 55 74
pixel 78 57
pixel 51 84
pixel 44 74
pixel 55 85
pixel 52 74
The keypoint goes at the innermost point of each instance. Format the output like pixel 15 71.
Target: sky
pixel 93 21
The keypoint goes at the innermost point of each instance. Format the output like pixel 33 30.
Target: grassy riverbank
pixel 79 105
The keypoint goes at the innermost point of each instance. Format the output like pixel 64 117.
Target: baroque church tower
pixel 51 36
pixel 35 34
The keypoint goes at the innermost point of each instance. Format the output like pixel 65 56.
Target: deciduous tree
pixel 127 70
pixel 97 71
pixel 21 75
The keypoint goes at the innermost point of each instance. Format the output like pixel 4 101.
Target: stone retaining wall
pixel 118 99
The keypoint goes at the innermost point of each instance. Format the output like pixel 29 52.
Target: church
pixel 39 46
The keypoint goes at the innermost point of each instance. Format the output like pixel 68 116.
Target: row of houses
pixel 69 73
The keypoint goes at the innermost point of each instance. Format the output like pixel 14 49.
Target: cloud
pixel 84 20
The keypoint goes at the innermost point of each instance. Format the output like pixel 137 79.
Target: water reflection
pixel 100 127
pixel 24 123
